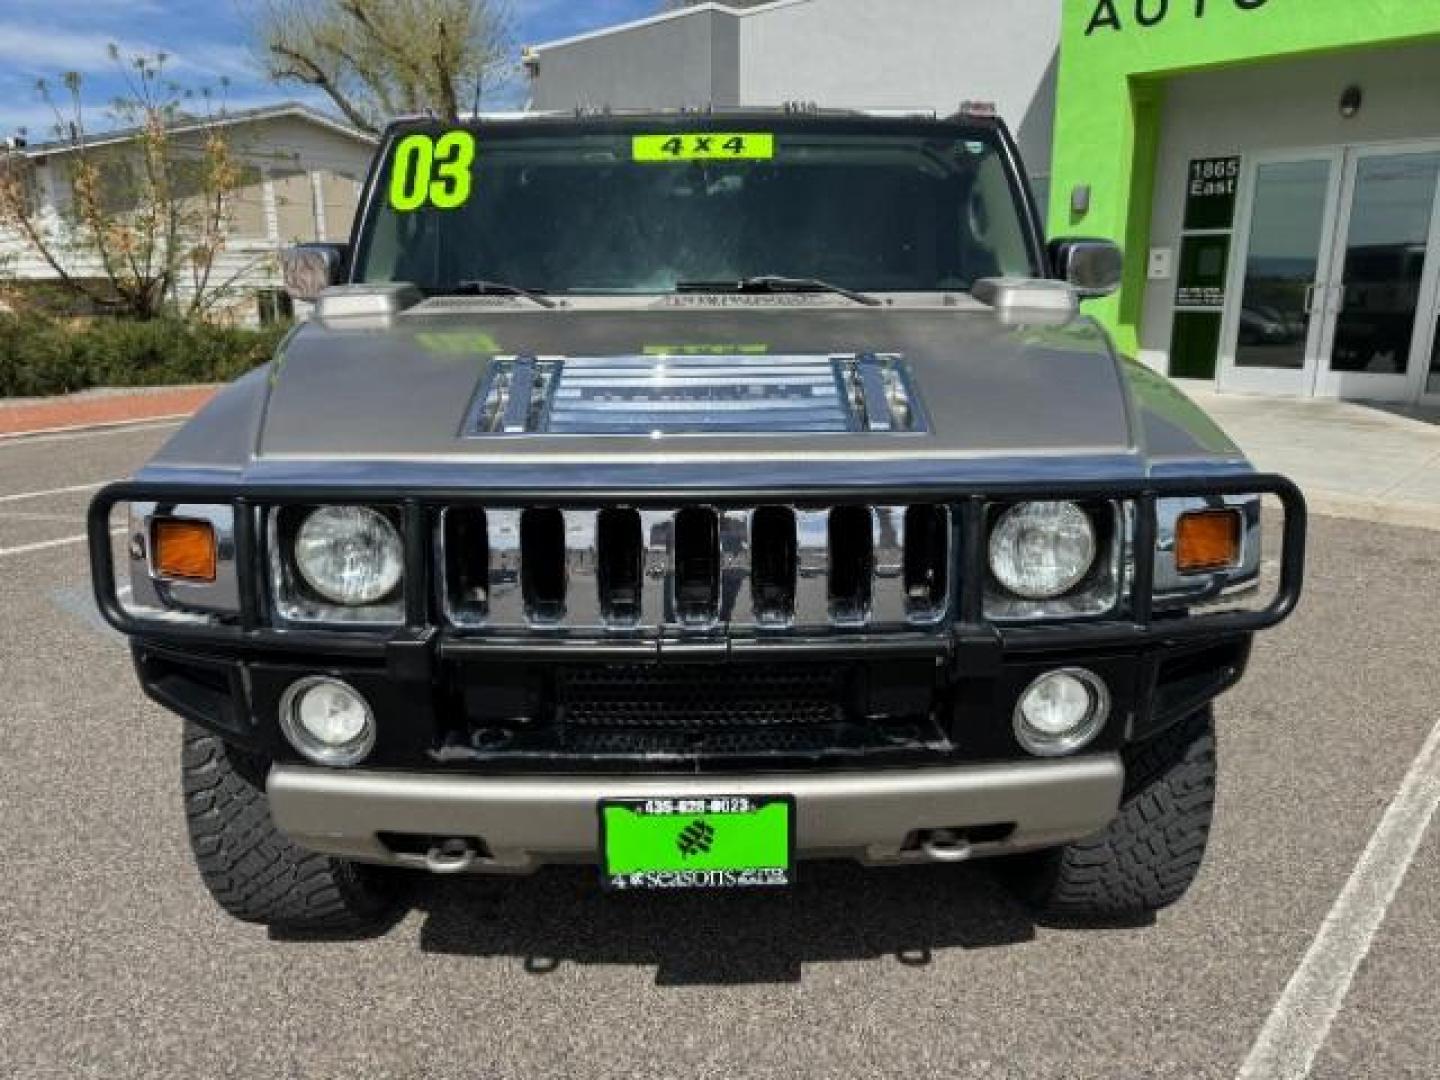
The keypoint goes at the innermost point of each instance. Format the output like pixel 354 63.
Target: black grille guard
pixel 965 631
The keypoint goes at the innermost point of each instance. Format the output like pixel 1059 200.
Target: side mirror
pixel 1093 268
pixel 309 269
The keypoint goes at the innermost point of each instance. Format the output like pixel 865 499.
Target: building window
pixel 247 205
pixel 275 307
pixel 294 205
pixel 339 196
pixel 23 172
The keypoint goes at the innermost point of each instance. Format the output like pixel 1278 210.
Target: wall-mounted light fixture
pixel 1350 101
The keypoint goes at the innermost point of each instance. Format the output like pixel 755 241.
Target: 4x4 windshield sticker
pixel 704 146
pixel 432 170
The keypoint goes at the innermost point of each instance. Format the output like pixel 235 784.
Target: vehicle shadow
pixel 835 912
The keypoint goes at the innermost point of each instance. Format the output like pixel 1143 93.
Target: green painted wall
pixel 1115 56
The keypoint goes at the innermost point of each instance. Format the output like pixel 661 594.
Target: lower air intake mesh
pixel 699 697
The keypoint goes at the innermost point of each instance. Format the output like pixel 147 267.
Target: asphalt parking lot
pixel 114 962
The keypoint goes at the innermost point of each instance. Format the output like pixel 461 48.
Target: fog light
pixel 327 721
pixel 1061 711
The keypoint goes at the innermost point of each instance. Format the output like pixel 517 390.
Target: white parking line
pixel 1300 1021
pixel 15 440
pixel 19 495
pixel 43 545
pixel 30 515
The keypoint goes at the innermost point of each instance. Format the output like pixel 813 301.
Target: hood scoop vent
pixel 697 395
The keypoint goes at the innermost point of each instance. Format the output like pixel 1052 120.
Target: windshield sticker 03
pixel 431 170
pixel 704 146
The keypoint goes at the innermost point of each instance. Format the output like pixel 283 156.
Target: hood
pixel 408 392
pixel 991 399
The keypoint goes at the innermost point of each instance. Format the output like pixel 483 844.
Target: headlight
pixel 1041 550
pixel 349 555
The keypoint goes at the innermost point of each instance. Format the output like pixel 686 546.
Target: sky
pixel 205 40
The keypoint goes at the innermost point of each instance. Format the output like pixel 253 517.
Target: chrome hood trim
pixel 676 394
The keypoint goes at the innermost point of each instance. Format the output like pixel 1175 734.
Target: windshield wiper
pixel 775 283
pixel 479 287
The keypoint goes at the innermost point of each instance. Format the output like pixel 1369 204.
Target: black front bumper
pixel 448 700
pixel 467 715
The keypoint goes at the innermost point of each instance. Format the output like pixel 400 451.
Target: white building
pixel 301 177
pixel 903 54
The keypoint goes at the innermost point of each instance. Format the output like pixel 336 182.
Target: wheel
pixel 1147 858
pixel 251 868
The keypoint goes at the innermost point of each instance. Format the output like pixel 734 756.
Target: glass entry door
pixel 1335 285
pixel 1381 299
pixel 1271 334
pixel 1431 390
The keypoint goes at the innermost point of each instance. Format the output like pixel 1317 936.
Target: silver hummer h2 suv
pixel 690 495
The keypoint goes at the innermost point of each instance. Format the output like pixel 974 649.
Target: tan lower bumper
pixel 527 821
pixel 524 822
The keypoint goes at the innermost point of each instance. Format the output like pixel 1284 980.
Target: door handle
pixel 1342 292
pixel 1309 302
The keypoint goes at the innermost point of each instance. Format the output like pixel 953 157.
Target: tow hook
pixel 451 856
pixel 942 845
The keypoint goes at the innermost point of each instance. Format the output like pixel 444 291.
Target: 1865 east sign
pixel 1148 13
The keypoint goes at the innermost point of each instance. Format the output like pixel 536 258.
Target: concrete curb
pixel 1380 511
pixel 98 428
pixel 99 409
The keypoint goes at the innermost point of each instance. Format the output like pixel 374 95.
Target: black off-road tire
pixel 252 869
pixel 1147 858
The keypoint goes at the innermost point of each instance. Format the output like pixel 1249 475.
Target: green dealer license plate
pixel 716 842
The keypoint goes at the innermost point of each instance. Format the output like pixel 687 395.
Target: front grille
pixel 712 744
pixel 696 568
pixel 699 696
pixel 517 713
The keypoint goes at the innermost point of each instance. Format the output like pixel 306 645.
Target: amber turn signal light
pixel 1207 540
pixel 183 550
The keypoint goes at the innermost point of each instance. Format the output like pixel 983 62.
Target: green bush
pixel 41 356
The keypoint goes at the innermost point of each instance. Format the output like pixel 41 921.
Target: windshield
pixel 644 211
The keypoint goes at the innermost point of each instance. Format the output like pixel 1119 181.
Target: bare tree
pixel 378 58
pixel 146 218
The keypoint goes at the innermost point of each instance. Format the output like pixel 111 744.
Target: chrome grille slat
pixel 878 555
pixel 888 602
pixel 507 596
pixel 929 602
pixel 657 531
pixel 812 569
pixel 735 595
pixel 582 591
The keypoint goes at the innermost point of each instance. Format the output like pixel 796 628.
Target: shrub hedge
pixel 41 356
